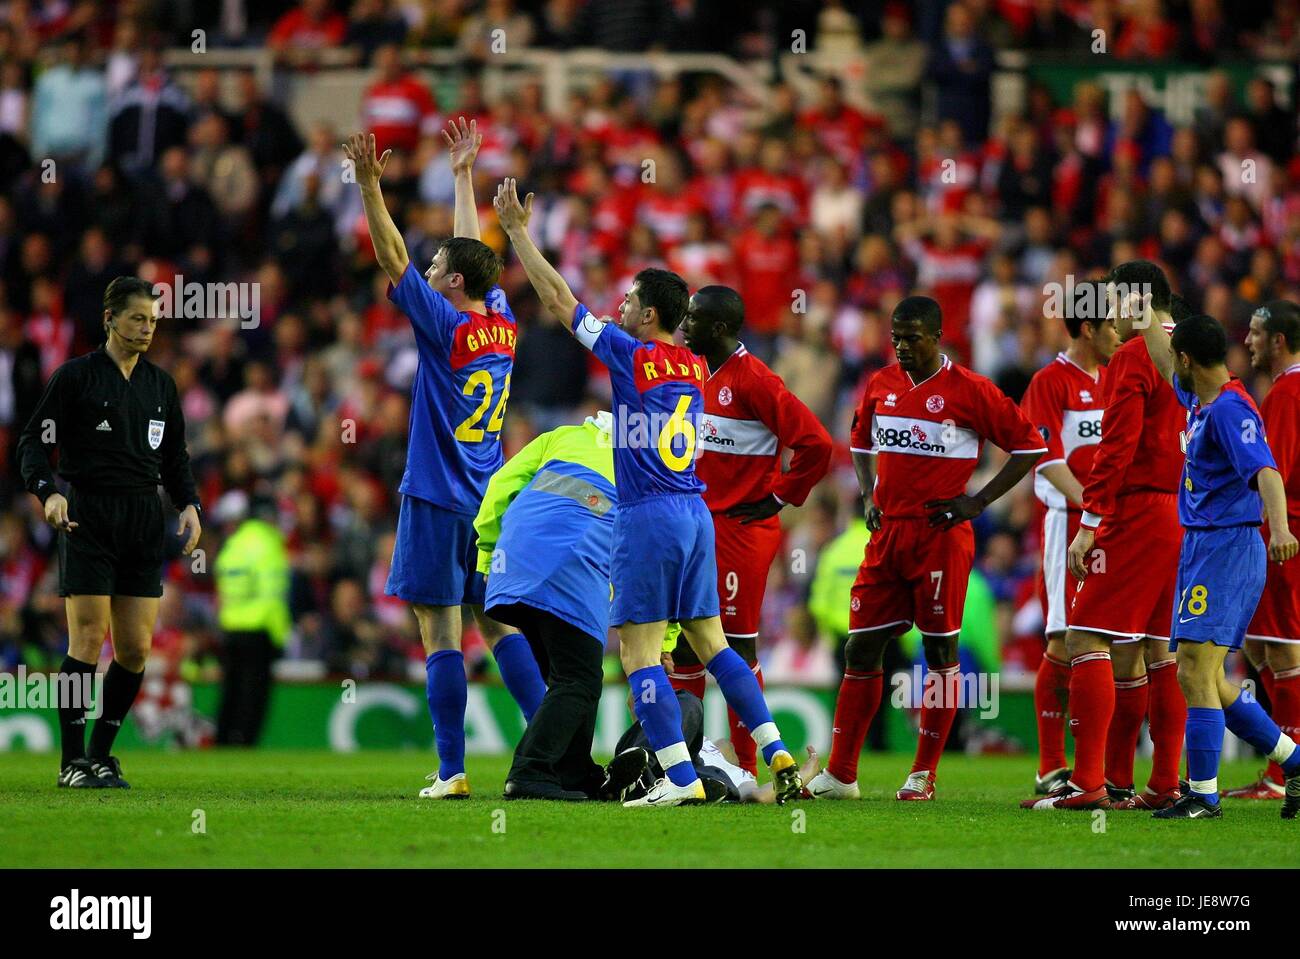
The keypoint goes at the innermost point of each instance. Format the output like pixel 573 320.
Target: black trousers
pixel 245 686
pixel 556 747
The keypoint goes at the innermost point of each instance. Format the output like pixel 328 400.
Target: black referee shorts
pixel 117 547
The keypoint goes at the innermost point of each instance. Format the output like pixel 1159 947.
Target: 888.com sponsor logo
pixel 916 438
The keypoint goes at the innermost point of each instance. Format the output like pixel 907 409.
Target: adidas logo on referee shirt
pixel 104 427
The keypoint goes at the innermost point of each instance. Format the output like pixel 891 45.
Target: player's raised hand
pixel 1282 545
pixel 757 510
pixel 463 142
pixel 1080 547
pixel 947 513
pixel 360 149
pixel 512 214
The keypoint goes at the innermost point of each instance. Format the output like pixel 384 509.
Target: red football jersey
pixel 1064 402
pixel 927 436
pixel 1281 413
pixel 749 417
pixel 1141 447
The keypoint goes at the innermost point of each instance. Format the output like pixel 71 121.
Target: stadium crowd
pixel 822 213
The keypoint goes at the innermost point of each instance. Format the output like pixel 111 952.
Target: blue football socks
pixel 445 688
pixel 655 705
pixel 740 688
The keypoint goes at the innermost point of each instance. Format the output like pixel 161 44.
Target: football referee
pixel 116 421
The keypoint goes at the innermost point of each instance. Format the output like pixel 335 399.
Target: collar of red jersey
pixel 942 366
pixel 1062 358
pixel 1295 367
pixel 739 351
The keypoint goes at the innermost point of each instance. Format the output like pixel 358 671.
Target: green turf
pixel 316 809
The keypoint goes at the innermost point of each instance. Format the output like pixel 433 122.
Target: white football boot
pixel 457 787
pixel 667 793
pixel 826 786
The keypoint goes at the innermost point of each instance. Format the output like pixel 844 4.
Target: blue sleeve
pixel 612 345
pixel 431 314
pixel 1187 398
pixel 1240 432
pixel 497 303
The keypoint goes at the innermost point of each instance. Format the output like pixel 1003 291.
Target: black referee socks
pixel 120 689
pixel 75 689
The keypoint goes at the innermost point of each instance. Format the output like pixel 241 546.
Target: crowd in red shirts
pixel 822 206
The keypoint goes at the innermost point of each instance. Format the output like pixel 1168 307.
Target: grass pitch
pixel 302 809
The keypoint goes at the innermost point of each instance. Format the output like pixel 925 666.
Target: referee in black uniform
pixel 116 422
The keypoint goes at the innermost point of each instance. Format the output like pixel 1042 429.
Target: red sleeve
pixel 1121 427
pixel 860 433
pixel 1042 407
pixel 1001 422
pixel 796 429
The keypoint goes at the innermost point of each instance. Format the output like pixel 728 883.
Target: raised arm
pixel 1154 336
pixel 390 250
pixel 557 299
pixel 462 143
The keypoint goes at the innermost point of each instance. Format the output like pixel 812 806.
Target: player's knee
pixel 1280 657
pixel 1127 660
pixel 131 652
pixel 1079 643
pixel 83 631
pixel 438 630
pixel 863 651
pixel 491 631
pixel 745 646
pixel 939 650
pixel 1197 679
pixel 633 657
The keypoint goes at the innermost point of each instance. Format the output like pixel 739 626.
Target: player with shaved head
pixel 917 437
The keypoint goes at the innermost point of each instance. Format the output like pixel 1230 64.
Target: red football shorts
pixel 913 573
pixel 745 555
pixel 1129 591
pixel 1056 583
pixel 1277 617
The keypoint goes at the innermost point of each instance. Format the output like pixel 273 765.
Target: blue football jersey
pixel 458 399
pixel 1226 447
pixel 658 402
